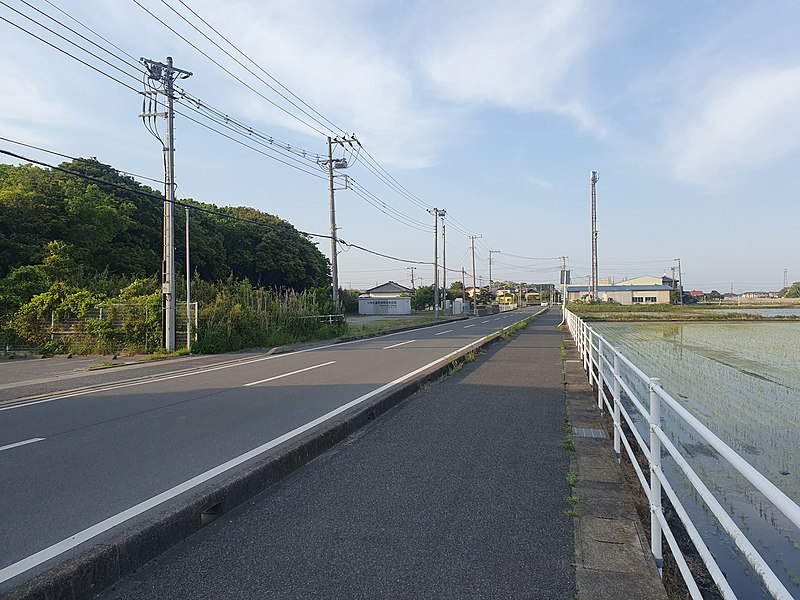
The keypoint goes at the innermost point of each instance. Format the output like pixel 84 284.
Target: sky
pixel 493 111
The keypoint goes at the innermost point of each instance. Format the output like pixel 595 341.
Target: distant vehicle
pixel 544 303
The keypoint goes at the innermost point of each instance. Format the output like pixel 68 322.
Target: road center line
pixel 443 332
pixel 468 326
pixel 289 373
pixel 22 443
pixel 486 321
pixel 400 344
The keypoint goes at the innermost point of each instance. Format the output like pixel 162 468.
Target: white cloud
pixel 519 55
pixel 740 124
pixel 24 101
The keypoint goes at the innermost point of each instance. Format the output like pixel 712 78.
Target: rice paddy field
pixel 742 380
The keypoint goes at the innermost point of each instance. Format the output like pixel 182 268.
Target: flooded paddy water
pixel 742 380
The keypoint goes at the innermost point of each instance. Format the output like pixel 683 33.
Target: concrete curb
pixel 102 565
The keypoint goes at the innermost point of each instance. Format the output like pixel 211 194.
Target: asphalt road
pixel 457 493
pixel 75 465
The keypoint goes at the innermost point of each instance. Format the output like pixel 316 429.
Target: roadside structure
pixel 389 298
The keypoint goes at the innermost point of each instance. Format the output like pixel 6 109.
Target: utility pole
pixel 436 214
pixel 474 289
pixel 332 164
pixel 491 286
pixel 188 289
pixel 680 281
pixel 444 269
pixel 412 269
pixel 463 292
pixel 166 74
pixel 594 177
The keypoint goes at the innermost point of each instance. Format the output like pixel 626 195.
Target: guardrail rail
pixel 613 377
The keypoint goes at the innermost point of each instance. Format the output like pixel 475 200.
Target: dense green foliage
pixel 793 291
pixel 88 256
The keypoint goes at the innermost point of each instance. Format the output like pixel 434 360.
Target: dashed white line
pixel 400 344
pixel 22 443
pixel 468 326
pixel 443 332
pixel 486 321
pixel 287 374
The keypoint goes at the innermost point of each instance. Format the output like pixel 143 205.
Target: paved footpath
pixel 459 492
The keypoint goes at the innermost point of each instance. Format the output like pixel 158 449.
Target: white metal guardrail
pixel 608 370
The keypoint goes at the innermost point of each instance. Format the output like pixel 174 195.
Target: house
pixel 651 280
pixel 623 294
pixel 389 298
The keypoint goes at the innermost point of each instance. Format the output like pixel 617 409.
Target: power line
pixel 5 139
pixel 203 209
pixel 248 69
pixel 244 83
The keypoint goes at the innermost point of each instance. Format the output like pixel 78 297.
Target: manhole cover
pixel 588 432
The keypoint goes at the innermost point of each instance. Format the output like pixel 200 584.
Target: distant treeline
pixel 68 244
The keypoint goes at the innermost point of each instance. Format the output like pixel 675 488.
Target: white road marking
pixel 228 365
pixel 497 319
pixel 87 534
pixel 486 321
pixel 400 344
pixel 22 443
pixel 443 332
pixel 287 374
pixel 468 326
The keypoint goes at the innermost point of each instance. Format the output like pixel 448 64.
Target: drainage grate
pixel 588 432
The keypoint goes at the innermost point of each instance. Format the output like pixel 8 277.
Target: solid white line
pixel 287 374
pixel 87 534
pixel 400 344
pixel 443 332
pixel 23 443
pixel 468 326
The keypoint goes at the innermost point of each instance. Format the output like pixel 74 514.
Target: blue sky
pixel 496 112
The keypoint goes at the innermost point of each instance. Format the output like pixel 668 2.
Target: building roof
pixel 390 287
pixel 620 288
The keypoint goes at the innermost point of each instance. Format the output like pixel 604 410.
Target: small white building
pixel 388 299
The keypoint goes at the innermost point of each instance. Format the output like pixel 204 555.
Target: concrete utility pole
pixel 474 289
pixel 444 269
pixel 594 177
pixel 463 292
pixel 491 286
pixel 412 269
pixel 167 74
pixel 335 164
pixel 436 214
pixel 680 281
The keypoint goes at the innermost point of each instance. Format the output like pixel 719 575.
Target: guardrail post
pixel 599 377
pixel 655 471
pixel 617 424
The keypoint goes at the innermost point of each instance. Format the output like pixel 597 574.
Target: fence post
pixel 617 424
pixel 655 471
pixel 600 375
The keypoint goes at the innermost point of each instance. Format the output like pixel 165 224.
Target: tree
pixel 424 298
pixel 793 291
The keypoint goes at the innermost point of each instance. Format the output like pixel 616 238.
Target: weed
pixel 568 445
pixel 572 513
pixel 469 357
pixel 574 500
pixel 572 479
pixel 455 368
